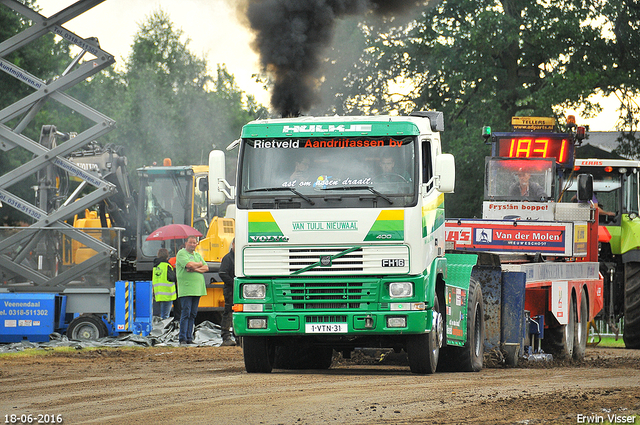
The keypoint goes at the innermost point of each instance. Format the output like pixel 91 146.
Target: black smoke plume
pixel 291 37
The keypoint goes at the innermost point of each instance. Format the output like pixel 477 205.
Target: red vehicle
pixel 539 219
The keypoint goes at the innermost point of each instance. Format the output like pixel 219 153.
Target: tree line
pixel 165 101
pixel 480 62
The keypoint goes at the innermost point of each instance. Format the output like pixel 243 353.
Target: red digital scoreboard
pixel 535 145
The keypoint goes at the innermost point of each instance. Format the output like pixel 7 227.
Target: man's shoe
pixel 184 343
pixel 228 342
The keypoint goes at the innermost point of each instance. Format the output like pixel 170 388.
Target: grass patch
pixel 608 341
pixel 47 351
pixel 30 352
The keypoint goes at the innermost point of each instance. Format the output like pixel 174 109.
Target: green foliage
pixel 482 62
pixel 166 104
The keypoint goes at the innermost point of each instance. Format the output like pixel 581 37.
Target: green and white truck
pixel 340 244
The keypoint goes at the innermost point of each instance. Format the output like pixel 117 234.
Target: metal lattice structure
pixel 27 256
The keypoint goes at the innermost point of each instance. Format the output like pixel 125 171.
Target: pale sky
pixel 211 25
pixel 215 33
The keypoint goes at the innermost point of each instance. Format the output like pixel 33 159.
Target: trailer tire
pixel 468 358
pixel 87 327
pixel 580 342
pixel 559 340
pixel 631 331
pixel 258 354
pixel 423 351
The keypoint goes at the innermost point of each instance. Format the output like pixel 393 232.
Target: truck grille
pixel 326 319
pixel 364 260
pixel 301 258
pixel 315 294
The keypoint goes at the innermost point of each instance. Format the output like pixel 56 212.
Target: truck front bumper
pixel 337 323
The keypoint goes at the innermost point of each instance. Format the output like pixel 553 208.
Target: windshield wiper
pixel 369 188
pixel 275 189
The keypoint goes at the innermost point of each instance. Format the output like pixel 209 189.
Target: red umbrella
pixel 173 231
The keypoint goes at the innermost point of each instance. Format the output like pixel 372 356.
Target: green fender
pixel 629 237
pixel 459 267
pixel 455 270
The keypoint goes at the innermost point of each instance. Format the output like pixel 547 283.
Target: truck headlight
pixel 257 323
pixel 254 291
pixel 396 322
pixel 400 289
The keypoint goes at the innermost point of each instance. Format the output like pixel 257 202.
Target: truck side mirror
pixel 585 187
pixel 203 184
pixel 219 189
pixel 445 173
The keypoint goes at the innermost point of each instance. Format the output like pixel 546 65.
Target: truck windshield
pixel 509 179
pixel 327 172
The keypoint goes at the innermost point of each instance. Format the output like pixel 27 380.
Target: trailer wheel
pixel 87 327
pixel 258 354
pixel 423 350
pixel 559 341
pixel 580 342
pixel 631 332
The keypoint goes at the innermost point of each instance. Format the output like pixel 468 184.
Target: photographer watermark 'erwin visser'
pixel 610 418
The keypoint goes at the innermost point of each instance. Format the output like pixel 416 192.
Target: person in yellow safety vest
pixel 164 282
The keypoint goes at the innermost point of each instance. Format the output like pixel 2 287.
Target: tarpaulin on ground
pixel 163 334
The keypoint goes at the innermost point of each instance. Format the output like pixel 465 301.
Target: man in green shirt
pixel 190 269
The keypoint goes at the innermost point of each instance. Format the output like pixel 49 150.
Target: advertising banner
pixel 510 236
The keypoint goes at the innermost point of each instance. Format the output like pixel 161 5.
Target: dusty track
pixel 209 385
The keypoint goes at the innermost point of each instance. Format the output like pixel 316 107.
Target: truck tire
pixel 580 342
pixel 423 351
pixel 468 358
pixel 324 358
pixel 631 331
pixel 87 327
pixel 559 341
pixel 258 354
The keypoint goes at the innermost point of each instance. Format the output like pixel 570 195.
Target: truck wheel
pixel 423 350
pixel 303 356
pixel 631 331
pixel 580 342
pixel 323 358
pixel 87 327
pixel 468 358
pixel 284 358
pixel 258 354
pixel 559 340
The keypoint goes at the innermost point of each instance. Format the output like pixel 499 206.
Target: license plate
pixel 325 328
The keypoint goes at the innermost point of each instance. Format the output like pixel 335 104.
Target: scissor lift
pixel 18 264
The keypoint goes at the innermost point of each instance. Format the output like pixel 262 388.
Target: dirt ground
pixel 204 385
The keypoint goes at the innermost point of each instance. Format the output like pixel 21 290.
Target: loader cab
pixel 170 195
pixel 615 186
